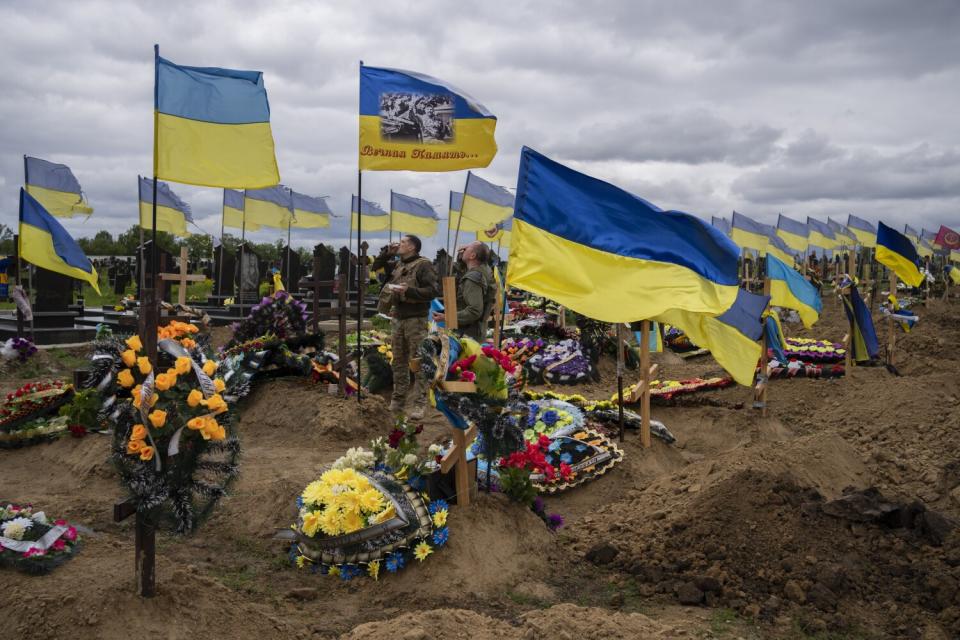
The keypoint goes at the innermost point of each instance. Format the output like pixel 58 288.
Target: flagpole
pixel 153 312
pixel 390 232
pixel 289 224
pixel 359 266
pixel 223 218
pixel 243 251
pixel 456 236
pixel 449 213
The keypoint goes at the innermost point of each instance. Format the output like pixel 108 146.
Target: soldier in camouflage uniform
pixel 476 291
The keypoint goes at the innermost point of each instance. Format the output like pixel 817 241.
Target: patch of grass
pixel 722 621
pixel 244 579
pixel 67 359
pixel 526 601
pixel 797 632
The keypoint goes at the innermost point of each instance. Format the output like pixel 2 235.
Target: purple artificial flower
pixel 538 504
pixel 554 521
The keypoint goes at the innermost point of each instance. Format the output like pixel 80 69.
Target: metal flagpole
pixel 243 252
pixel 390 232
pixel 456 236
pixel 449 213
pixel 223 218
pixel 360 268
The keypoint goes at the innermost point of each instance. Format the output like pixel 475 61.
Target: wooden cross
pixel 182 278
pixel 145 546
pixel 641 392
pixel 314 286
pixel 891 329
pixel 760 390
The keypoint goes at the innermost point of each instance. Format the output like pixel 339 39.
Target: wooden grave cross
pixel 182 278
pixel 763 379
pixel 641 391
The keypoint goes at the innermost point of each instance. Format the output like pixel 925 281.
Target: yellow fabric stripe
pixel 607 286
pixel 474 146
pixel 310 220
pixel 483 212
pixel 234 218
pixel 955 255
pixel 413 224
pixel 235 156
pixel 502 236
pixel 792 240
pixel 60 203
pixel 955 275
pixel 266 214
pixel 467 224
pixel 168 219
pixel 865 238
pixel 732 350
pixel 36 247
pixel 371 223
pixel 784 257
pixel 818 239
pixel 924 251
pixel 781 296
pixel 748 240
pixel 905 270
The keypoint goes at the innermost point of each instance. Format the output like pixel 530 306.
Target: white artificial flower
pixel 39 517
pixel 410 459
pixel 14 529
pixel 434 449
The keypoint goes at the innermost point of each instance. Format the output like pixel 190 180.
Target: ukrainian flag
pixel 821 235
pixel 374 217
pixel 863 343
pixel 721 223
pixel 911 234
pixel 897 252
pixel 795 234
pixel 173 214
pixel 310 212
pixel 412 122
pixel 45 243
pixel 270 207
pixel 610 255
pixel 731 337
pixel 212 127
pixel 843 235
pixel 953 272
pixel 865 232
pixel 777 247
pixel 233 215
pixel 55 188
pixel 412 215
pixel 499 232
pixel 748 233
pixel 485 203
pixel 924 250
pixel 791 290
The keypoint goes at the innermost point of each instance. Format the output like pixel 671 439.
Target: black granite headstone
pixel 224 273
pixel 290 268
pixel 54 291
pixel 249 275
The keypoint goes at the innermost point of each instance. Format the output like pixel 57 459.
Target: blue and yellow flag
pixel 748 233
pixel 911 234
pixel 924 249
pixel 499 232
pixel 610 255
pixel 46 244
pixel 795 234
pixel 213 127
pixel 721 223
pixel 310 212
pixel 732 337
pixel 270 207
pixel 412 122
pixel 483 205
pixel 897 252
pixel 952 272
pixel 821 235
pixel 412 215
pixel 778 247
pixel 865 232
pixel 233 215
pixel 863 336
pixel 55 188
pixel 791 290
pixel 374 217
pixel 173 214
pixel 844 236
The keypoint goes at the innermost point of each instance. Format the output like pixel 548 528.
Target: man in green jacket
pixel 476 291
pixel 411 286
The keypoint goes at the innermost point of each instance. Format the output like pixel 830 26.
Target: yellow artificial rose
pixel 216 403
pixel 219 385
pixel 134 343
pixel 209 367
pixel 153 399
pixel 194 398
pixel 158 418
pixel 129 357
pixel 134 446
pixel 144 364
pixel 183 365
pixel 139 432
pixel 195 423
pixel 192 328
pixel 164 382
pixel 146 453
pixel 188 343
pixel 125 378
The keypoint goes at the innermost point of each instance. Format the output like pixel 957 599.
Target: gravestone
pixel 164 262
pixel 325 263
pixel 290 268
pixel 224 271
pixel 249 275
pixel 54 292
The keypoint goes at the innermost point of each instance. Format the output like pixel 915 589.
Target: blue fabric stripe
pixel 456 201
pixel 801 289
pixel 410 205
pixel 929 236
pixel 744 315
pixel 278 195
pixel 480 189
pixel 741 221
pixel 33 213
pixel 165 197
pixel 49 175
pixel 839 230
pixel 233 199
pixel 369 208
pixel 311 204
pixel 721 223
pixel 910 231
pixel 773 339
pixel 792 226
pixel 859 223
pixel 224 96
pixel 375 81
pixel 897 242
pixel 862 321
pixel 819 227
pixel 778 242
pixel 597 214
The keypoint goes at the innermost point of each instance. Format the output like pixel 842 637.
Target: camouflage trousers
pixel 407 336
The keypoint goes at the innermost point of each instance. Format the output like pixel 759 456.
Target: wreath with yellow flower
pixel 172 445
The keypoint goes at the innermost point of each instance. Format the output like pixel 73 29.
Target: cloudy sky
pixel 806 108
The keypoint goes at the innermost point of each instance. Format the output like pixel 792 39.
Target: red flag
pixel 948 238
